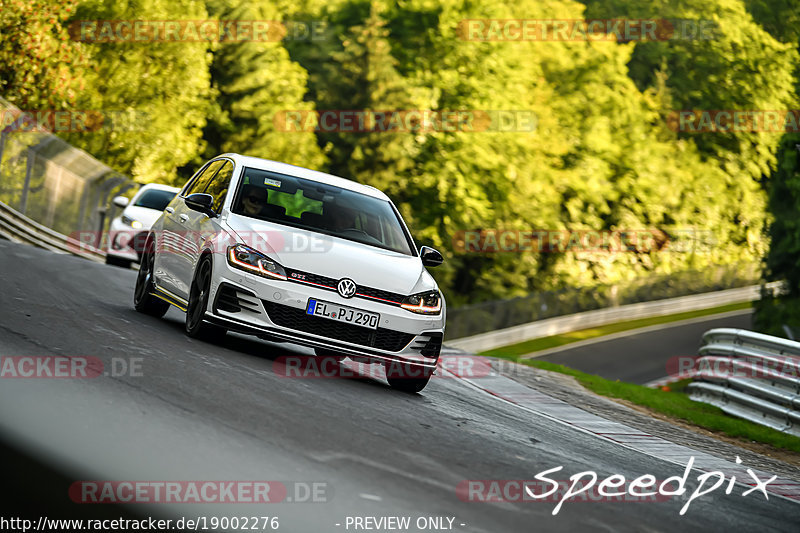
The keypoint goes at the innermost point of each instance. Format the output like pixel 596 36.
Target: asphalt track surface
pixel 222 411
pixel 643 357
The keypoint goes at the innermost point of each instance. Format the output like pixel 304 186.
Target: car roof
pixel 306 173
pixel 159 186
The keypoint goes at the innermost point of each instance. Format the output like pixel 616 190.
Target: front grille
pixel 362 291
pixel 300 277
pixel 297 319
pixel 234 300
pixel 429 347
pixel 377 293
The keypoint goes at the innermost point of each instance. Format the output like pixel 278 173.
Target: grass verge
pixel 553 341
pixel 674 404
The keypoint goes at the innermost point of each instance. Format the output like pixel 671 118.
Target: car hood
pixel 145 215
pixel 333 257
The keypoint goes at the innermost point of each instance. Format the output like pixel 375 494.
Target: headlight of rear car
pixel 245 258
pixel 132 222
pixel 425 303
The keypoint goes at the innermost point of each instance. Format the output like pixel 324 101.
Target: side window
pixel 219 185
pixel 201 182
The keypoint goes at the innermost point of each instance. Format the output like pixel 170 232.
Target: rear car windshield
pixel 155 199
pixel 315 206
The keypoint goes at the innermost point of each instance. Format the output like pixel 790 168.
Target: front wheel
pixel 198 303
pixel 408 378
pixel 143 299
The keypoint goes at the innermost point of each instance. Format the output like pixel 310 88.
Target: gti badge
pixel 346 287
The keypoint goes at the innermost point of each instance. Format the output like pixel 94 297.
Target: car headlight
pixel 245 258
pixel 425 303
pixel 132 222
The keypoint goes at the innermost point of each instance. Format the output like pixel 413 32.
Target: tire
pixel 198 303
pixel 143 300
pixel 116 261
pixel 407 378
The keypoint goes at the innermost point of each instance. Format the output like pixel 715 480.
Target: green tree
pixel 781 18
pixel 782 263
pixel 158 92
pixel 256 82
pixel 601 155
pixel 735 66
pixel 443 181
pixel 40 67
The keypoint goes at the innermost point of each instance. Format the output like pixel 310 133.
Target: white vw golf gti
pixel 295 255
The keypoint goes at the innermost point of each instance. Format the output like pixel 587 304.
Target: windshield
pixel 155 199
pixel 315 206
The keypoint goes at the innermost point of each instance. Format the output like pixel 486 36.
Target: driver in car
pixel 253 200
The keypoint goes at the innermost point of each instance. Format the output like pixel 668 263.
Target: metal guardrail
pixel 750 375
pixel 600 317
pixel 16 227
pixel 472 320
pixel 53 183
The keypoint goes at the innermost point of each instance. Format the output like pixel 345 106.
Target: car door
pixel 176 240
pixel 200 227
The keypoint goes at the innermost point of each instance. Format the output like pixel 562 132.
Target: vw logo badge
pixel 346 287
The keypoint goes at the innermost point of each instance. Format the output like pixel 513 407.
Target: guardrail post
pixel 3 136
pixel 101 214
pixel 53 199
pixel 23 201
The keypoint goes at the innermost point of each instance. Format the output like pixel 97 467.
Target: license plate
pixel 342 313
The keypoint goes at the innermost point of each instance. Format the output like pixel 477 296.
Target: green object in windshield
pixel 295 204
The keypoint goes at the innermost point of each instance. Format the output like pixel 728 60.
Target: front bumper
pixel 255 305
pixel 125 242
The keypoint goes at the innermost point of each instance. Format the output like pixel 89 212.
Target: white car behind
pixel 128 231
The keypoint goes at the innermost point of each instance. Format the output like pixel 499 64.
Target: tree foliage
pixel 255 81
pixel 601 157
pixel 163 88
pixel 781 18
pixel 603 154
pixel 40 67
pixel 782 263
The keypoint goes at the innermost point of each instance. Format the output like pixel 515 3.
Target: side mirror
pixel 120 201
pixel 430 257
pixel 200 202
